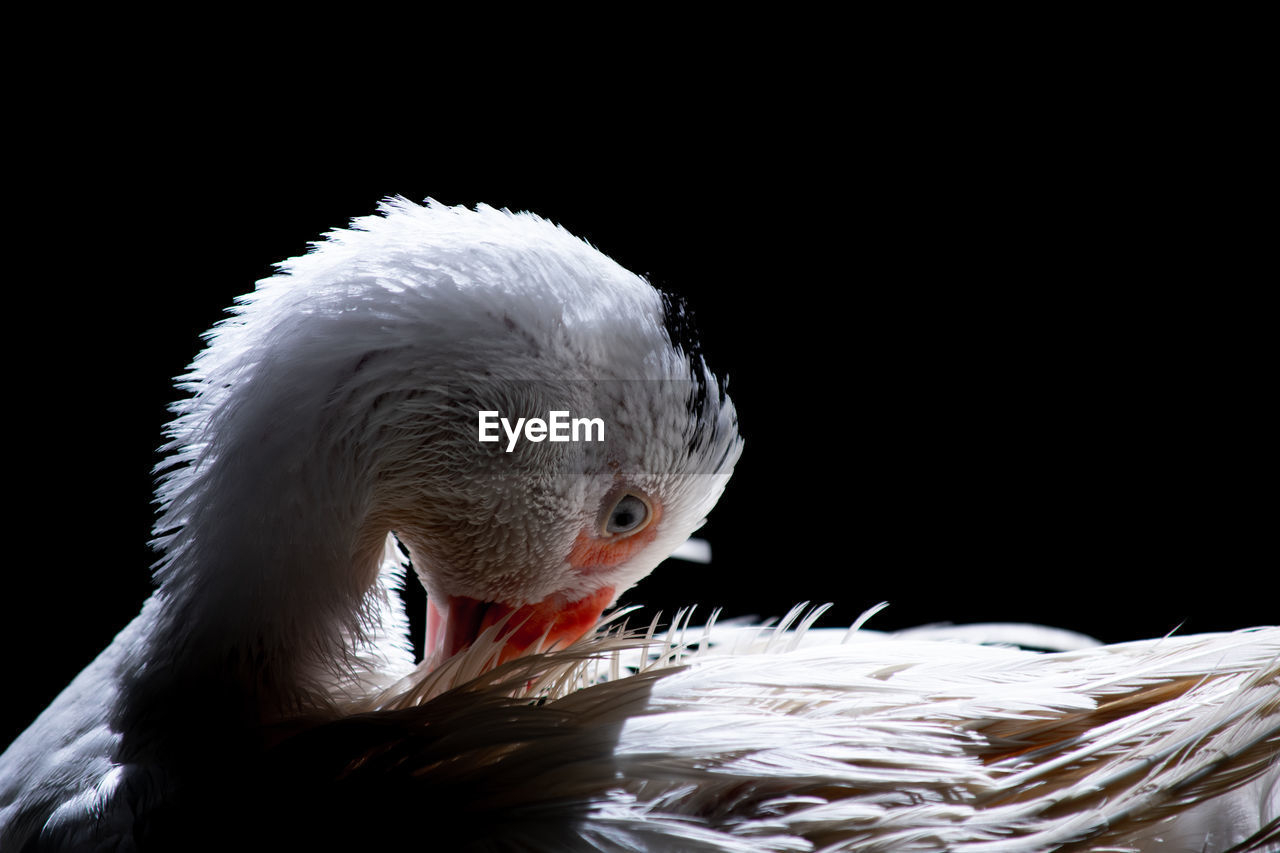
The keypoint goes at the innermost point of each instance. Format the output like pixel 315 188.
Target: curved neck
pixel 268 596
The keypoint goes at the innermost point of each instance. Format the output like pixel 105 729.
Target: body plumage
pixel 267 690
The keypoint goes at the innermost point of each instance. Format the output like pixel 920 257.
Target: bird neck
pixel 267 592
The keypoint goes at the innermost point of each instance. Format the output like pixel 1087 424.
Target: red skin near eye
pixel 561 621
pixel 601 552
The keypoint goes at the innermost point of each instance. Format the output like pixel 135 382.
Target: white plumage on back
pixel 267 693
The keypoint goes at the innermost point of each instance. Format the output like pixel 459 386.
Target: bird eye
pixel 629 514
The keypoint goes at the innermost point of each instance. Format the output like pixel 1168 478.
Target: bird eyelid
pixel 598 548
pixel 619 507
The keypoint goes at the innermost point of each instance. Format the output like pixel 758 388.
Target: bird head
pixel 543 535
pixel 348 398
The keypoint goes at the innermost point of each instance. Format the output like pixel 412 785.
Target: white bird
pixel 266 694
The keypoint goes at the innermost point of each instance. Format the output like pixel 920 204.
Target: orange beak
pixel 553 622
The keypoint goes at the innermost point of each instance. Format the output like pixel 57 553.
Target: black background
pixel 995 358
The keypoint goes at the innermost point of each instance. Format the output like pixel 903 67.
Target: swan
pixel 405 397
